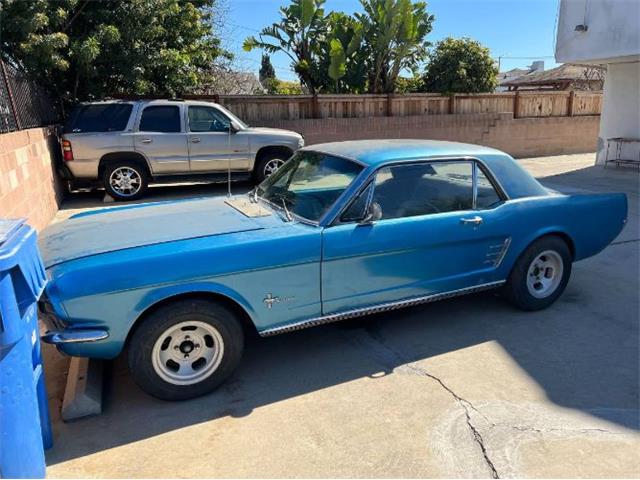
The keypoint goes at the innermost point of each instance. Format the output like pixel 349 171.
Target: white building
pixel 607 32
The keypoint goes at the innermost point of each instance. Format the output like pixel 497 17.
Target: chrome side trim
pixel 382 307
pixel 503 253
pixel 496 253
pixel 74 336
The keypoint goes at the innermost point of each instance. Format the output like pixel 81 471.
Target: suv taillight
pixel 67 152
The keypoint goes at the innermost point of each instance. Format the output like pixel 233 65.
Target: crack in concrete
pixel 466 405
pixel 526 428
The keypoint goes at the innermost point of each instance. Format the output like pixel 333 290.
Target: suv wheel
pixel 125 180
pixel 185 349
pixel 269 164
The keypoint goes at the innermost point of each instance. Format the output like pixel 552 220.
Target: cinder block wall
pixel 522 137
pixel 29 187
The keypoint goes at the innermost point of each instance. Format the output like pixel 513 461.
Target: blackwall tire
pixel 268 164
pixel 125 180
pixel 185 349
pixel 540 275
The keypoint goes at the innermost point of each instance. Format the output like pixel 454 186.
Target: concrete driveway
pixel 462 388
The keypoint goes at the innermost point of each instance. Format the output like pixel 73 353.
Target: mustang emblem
pixel 269 300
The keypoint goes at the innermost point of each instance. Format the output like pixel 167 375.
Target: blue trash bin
pixel 25 428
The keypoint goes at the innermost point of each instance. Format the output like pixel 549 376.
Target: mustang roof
pixel 375 152
pixel 515 180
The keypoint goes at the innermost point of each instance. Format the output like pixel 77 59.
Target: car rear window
pixel 110 117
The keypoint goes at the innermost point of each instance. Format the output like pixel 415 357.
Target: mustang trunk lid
pixel 112 229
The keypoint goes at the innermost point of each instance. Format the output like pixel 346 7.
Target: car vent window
pixel 487 197
pixel 423 189
pixel 108 117
pixel 164 119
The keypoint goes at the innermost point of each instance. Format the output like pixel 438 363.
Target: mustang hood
pixel 111 229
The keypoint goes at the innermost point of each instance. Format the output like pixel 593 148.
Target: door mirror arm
pixel 374 213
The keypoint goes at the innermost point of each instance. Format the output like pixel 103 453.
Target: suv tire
pixel 540 275
pixel 185 349
pixel 268 164
pixel 125 180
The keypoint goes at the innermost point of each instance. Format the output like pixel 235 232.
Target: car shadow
pixel 584 362
pixel 583 351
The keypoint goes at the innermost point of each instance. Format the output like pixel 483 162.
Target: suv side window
pixel 422 189
pixel 161 118
pixel 207 119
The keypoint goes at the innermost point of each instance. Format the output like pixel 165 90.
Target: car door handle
pixel 146 140
pixel 195 140
pixel 475 220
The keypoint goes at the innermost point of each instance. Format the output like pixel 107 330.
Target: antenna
pixel 229 161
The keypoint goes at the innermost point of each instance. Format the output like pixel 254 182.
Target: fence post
pixel 389 105
pixel 10 95
pixel 315 109
pixel 516 104
pixel 452 103
pixel 572 95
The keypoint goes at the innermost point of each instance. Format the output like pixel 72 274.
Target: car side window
pixel 207 119
pixel 486 196
pixel 425 188
pixel 161 118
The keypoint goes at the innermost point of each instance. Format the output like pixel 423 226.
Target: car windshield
pixel 308 184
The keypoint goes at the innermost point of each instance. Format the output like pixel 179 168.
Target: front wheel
pixel 540 275
pixel 269 164
pixel 185 349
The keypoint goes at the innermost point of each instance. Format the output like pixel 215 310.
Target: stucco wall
pixel 621 109
pixel 522 137
pixel 29 187
pixel 612 31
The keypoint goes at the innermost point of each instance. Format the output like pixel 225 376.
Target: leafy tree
pixel 460 66
pixel 409 84
pixel 266 72
pixel 84 49
pixel 298 34
pixel 341 57
pixel 394 34
pixel 282 87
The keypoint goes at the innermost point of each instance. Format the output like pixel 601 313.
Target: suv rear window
pixel 160 119
pixel 109 117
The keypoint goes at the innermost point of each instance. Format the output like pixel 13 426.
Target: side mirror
pixel 233 128
pixel 373 214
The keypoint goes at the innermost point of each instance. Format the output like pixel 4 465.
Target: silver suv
pixel 126 145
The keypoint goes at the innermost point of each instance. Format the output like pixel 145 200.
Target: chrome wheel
pixel 545 274
pixel 187 353
pixel 272 166
pixel 125 181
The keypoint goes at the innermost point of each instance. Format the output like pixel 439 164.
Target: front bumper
pixel 57 331
pixel 58 337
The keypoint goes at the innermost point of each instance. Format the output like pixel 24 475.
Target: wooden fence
pixel 523 104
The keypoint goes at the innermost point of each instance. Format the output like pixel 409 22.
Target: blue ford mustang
pixel 342 230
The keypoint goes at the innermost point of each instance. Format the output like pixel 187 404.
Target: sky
pixel 511 29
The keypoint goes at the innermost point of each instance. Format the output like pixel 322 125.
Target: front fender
pixel 153 297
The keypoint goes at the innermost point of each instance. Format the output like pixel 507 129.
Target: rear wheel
pixel 540 275
pixel 185 349
pixel 125 180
